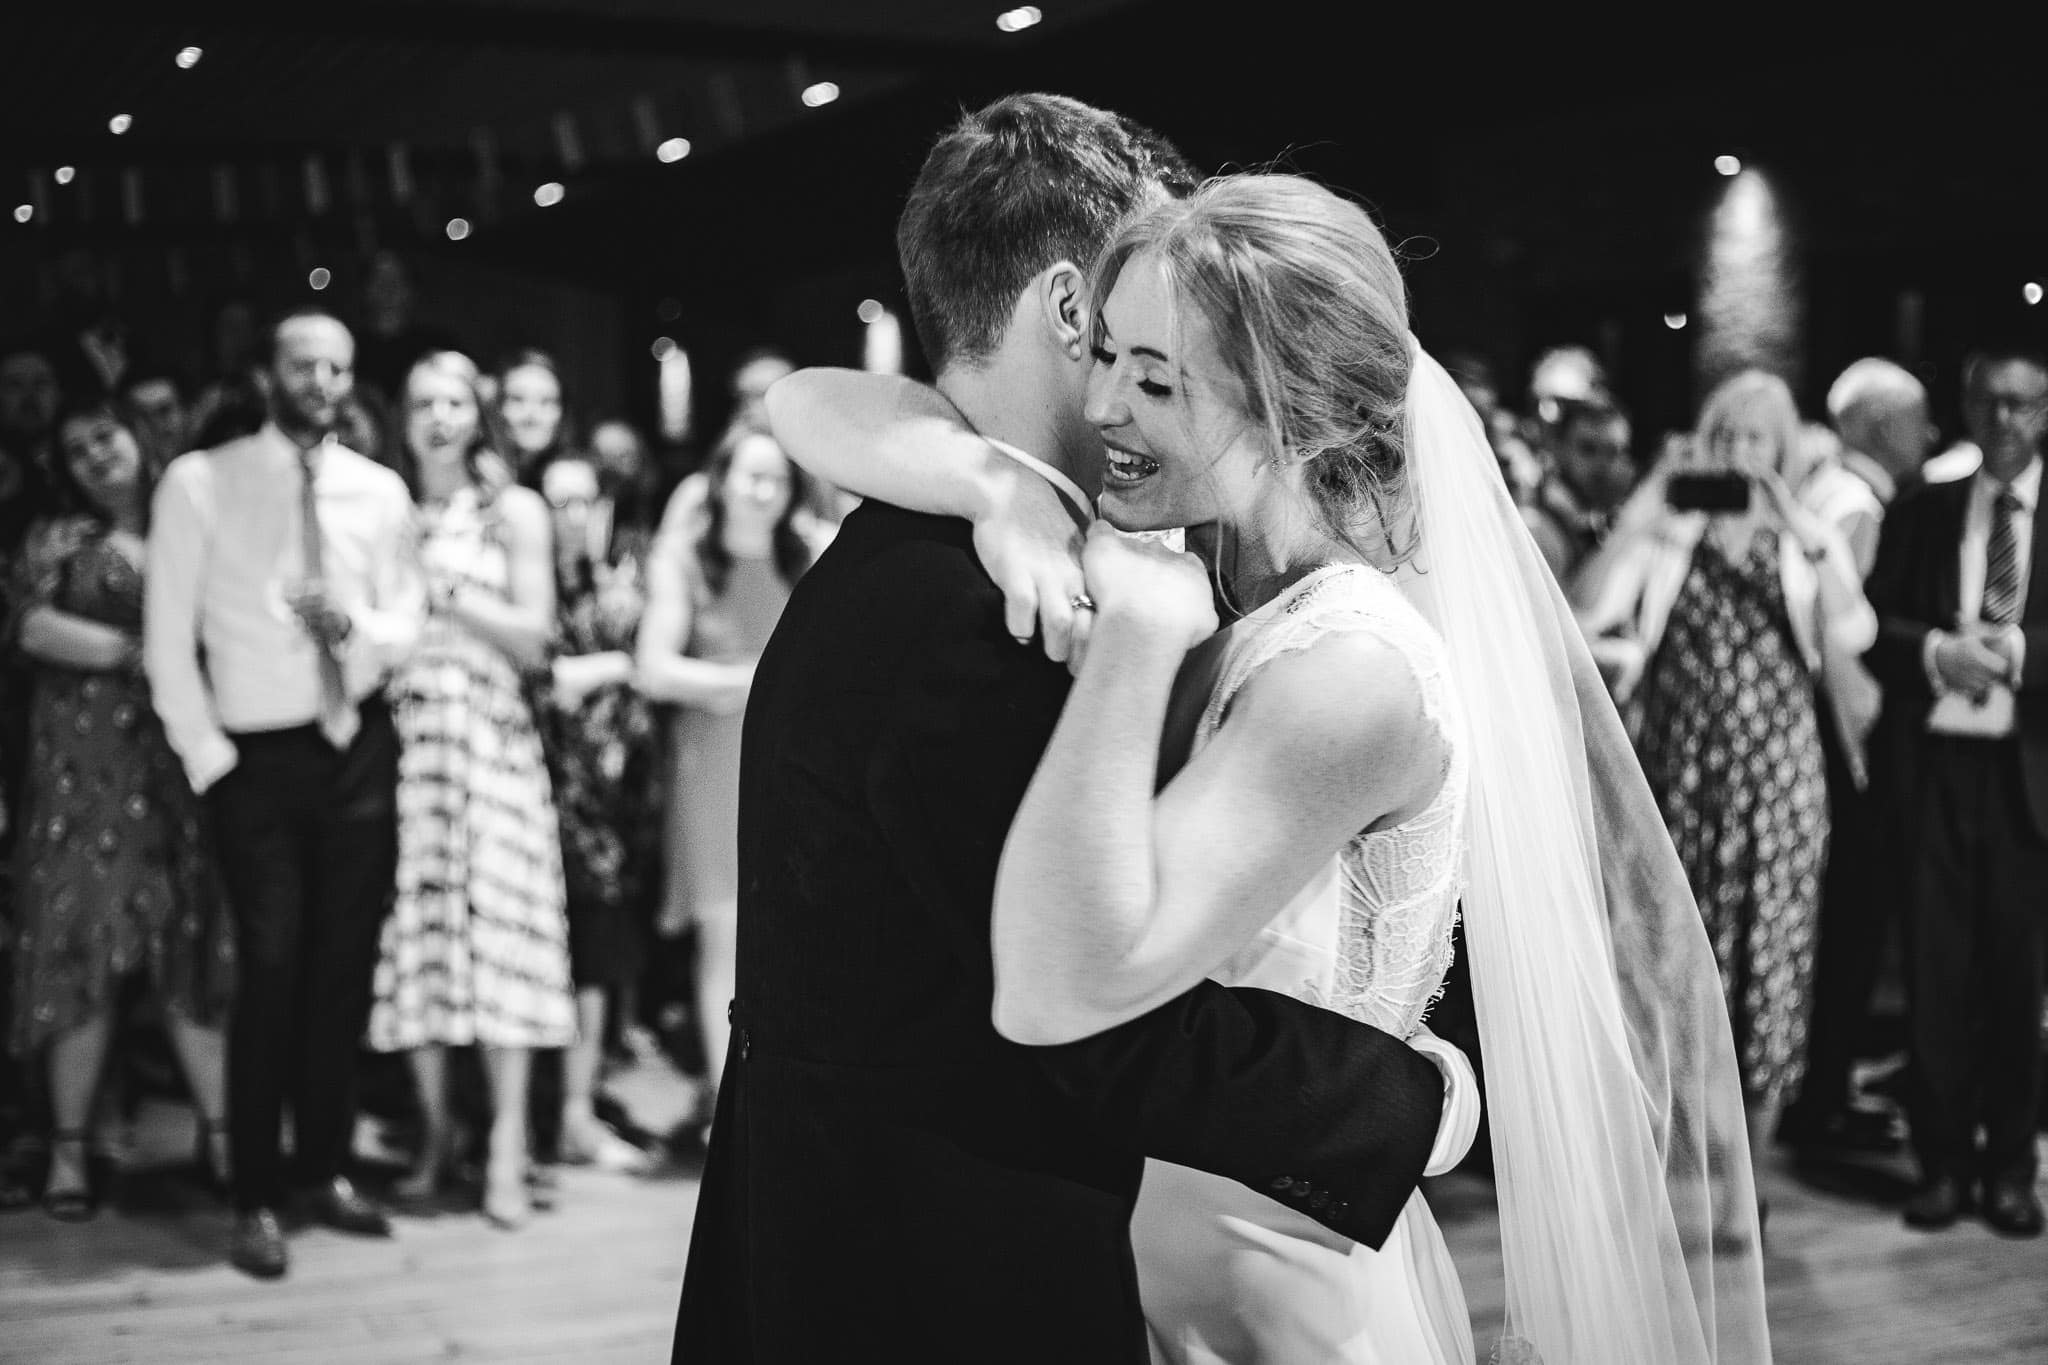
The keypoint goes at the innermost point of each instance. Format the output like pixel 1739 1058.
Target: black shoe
pixel 258 1245
pixel 2011 1208
pixel 337 1204
pixel 1937 1204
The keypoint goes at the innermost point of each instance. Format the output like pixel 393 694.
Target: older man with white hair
pixel 1878 409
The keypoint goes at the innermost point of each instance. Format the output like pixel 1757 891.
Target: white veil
pixel 1628 1209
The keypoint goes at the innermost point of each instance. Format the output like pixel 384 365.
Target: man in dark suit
pixel 888 1178
pixel 1961 589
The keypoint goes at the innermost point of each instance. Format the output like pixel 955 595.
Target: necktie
pixel 338 719
pixel 2002 562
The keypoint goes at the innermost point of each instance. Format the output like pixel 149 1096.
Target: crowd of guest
pixel 372 723
pixel 1825 638
pixel 375 723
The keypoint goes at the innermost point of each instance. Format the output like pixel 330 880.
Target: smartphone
pixel 1707 493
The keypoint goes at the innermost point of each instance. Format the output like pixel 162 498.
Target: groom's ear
pixel 1061 306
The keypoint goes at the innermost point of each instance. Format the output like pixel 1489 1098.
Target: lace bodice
pixel 1371 938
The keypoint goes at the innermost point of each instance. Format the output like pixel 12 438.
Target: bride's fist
pixel 1144 583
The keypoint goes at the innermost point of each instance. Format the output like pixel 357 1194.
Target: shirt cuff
pixel 1460 1122
pixel 214 759
pixel 1927 648
pixel 2018 638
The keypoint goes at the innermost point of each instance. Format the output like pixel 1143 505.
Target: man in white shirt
pixel 1961 589
pixel 283 586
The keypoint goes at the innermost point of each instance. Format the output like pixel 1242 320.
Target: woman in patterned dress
pixel 113 877
pixel 1733 613
pixel 720 574
pixel 476 948
pixel 600 737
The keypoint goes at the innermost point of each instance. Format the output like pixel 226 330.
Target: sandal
pixel 79 1205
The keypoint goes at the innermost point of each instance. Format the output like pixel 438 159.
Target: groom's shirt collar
pixel 1077 501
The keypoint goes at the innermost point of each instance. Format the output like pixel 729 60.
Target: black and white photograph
pixel 758 682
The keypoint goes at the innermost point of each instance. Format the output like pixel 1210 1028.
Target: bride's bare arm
pixel 1111 901
pixel 890 438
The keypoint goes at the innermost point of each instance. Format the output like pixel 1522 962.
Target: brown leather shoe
pixel 258 1245
pixel 1937 1204
pixel 2011 1208
pixel 338 1204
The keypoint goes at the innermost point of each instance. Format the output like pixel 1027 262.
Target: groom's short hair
pixel 1011 188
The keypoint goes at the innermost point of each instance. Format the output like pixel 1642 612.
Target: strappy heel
pixel 68 1205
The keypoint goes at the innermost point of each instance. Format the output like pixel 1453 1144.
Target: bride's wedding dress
pixel 1227 1274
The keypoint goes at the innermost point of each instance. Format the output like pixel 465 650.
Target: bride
pixel 1399 718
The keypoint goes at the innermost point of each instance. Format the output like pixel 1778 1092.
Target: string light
pixel 119 124
pixel 64 175
pixel 673 150
pixel 818 95
pixel 24 212
pixel 548 195
pixel 1675 321
pixel 1728 165
pixel 458 228
pixel 1018 19
pixel 188 57
pixel 2031 292
pixel 319 278
pixel 663 347
pixel 869 310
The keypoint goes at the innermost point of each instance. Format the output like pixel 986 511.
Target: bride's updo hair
pixel 1309 309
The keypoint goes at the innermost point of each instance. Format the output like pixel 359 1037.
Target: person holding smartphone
pixel 1733 594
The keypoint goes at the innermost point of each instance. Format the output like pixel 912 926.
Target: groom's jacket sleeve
pixel 1324 1114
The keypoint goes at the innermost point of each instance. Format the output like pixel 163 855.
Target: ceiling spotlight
pixel 2031 292
pixel 823 93
pixel 319 278
pixel 458 228
pixel 548 195
pixel 663 347
pixel 673 150
pixel 1018 19
pixel 1675 321
pixel 24 212
pixel 119 124
pixel 188 57
pixel 1728 165
pixel 64 175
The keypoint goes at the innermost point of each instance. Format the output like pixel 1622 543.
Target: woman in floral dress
pixel 112 873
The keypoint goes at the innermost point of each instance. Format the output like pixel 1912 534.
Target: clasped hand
pixel 1056 586
pixel 319 615
pixel 1974 659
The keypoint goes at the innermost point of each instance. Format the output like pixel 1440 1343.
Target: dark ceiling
pixel 1551 165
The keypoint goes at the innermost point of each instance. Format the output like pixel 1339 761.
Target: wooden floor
pixel 595 1282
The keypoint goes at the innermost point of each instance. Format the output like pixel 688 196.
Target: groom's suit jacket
pixel 888 1178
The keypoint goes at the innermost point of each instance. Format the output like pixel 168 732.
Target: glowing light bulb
pixel 2031 292
pixel 119 124
pixel 870 309
pixel 24 212
pixel 823 93
pixel 1675 321
pixel 673 150
pixel 458 228
pixel 64 175
pixel 1018 19
pixel 548 195
pixel 319 278
pixel 188 57
pixel 663 347
pixel 1728 165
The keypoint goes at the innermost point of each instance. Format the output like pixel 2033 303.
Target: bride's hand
pixel 1028 542
pixel 1136 581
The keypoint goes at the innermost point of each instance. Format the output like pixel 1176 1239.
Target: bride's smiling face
pixel 1181 448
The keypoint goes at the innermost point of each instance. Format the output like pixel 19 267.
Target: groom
pixel 888 1178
